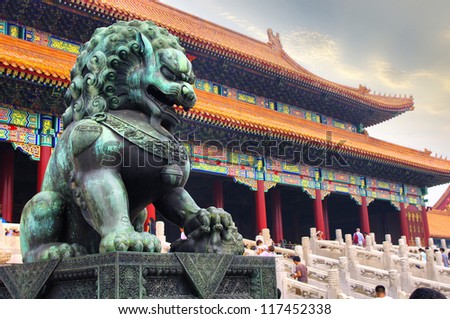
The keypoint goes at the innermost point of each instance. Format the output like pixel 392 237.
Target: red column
pixel 46 152
pixel 404 222
pixel 218 194
pixel 426 228
pixel 277 216
pixel 318 212
pixel 326 233
pixel 364 215
pixel 7 183
pixel 261 219
pixel 151 213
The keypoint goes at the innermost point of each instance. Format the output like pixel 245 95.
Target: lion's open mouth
pixel 169 118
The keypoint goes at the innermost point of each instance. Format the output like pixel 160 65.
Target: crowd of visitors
pixel 11 232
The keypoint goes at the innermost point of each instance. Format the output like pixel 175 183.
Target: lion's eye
pixel 168 73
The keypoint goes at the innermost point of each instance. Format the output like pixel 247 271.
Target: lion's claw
pixel 211 230
pixel 130 241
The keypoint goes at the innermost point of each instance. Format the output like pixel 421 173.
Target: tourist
pixel 260 237
pixel 358 238
pixel 364 240
pixel 380 292
pixel 182 234
pixel 260 247
pixel 319 235
pixel 301 272
pixel 444 257
pixel 152 226
pixel 270 252
pixel 426 293
pixel 422 255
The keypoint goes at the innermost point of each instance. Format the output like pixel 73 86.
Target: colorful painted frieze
pixel 21 118
pixel 342 188
pixel 12 133
pixel 246 97
pixel 39 37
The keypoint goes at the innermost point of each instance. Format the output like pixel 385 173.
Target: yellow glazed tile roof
pixel 444 201
pixel 35 59
pixel 232 113
pixel 30 58
pixel 218 39
pixel 439 224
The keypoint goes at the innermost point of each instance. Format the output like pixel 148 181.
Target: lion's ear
pixel 146 48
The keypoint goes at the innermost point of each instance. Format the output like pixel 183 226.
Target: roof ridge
pixel 442 199
pixel 225 38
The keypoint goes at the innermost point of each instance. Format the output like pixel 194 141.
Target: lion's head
pixel 130 65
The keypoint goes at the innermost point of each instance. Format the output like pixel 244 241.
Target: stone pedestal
pixel 141 276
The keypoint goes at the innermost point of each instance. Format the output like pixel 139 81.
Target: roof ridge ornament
pixel 274 40
pixel 363 89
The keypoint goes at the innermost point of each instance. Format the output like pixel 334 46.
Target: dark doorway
pixel 343 213
pixel 239 201
pixel 384 219
pixel 297 213
pixel 25 182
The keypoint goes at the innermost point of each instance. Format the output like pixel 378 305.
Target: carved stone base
pixel 140 276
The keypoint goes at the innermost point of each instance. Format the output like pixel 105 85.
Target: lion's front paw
pixel 213 230
pixel 130 241
pixel 60 250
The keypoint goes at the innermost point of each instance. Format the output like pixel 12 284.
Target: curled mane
pixel 99 76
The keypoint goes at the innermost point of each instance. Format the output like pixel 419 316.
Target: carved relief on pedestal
pixel 404 264
pixel 343 264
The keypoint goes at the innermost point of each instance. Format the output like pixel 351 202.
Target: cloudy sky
pixel 395 47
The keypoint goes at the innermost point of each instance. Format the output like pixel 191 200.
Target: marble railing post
pixel 348 239
pixel 405 275
pixel 438 258
pixel 387 258
pixel 430 265
pixel 299 252
pixel 339 238
pixel 343 274
pixel 353 262
pixel 348 243
pixel 266 235
pixel 374 241
pixel 160 234
pixel 369 244
pixel 388 238
pixel 280 273
pixel 404 240
pixel 333 287
pixel 417 241
pixel 313 243
pixel 402 248
pixel 306 251
pixel 431 243
pixel 394 283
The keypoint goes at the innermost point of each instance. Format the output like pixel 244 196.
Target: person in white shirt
pixel 358 237
pixel 423 255
pixel 270 252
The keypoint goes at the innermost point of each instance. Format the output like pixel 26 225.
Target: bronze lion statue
pixel 118 154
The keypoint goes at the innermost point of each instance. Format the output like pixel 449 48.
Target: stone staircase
pixel 338 269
